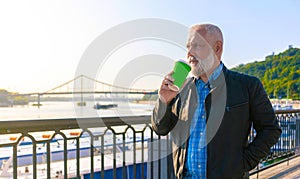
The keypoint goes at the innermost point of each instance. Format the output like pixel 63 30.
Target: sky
pixel 42 42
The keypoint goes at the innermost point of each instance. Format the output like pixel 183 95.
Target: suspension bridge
pixel 83 85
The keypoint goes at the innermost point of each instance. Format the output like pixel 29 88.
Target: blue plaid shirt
pixel 196 159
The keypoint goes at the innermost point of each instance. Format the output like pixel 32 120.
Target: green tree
pixel 280 74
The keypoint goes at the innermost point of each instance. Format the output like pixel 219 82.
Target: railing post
pixel 34 161
pixel 297 132
pixel 39 101
pixel 257 175
pixel 77 157
pixel 48 159
pixel 15 162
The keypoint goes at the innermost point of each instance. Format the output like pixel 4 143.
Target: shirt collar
pixel 216 73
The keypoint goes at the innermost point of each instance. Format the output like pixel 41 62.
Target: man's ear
pixel 218 47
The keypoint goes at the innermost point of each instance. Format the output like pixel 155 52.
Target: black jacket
pixel 235 103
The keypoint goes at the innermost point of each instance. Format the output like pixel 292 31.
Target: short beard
pixel 203 66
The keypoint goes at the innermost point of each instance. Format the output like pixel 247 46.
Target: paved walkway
pixel 284 170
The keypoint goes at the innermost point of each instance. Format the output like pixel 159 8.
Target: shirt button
pixel 199 166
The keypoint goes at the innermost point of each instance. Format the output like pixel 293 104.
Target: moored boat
pixel 104 106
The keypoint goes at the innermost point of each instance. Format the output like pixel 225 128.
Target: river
pixel 56 109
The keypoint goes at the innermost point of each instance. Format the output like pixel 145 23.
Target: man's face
pixel 200 54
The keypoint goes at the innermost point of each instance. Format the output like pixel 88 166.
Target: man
pixel 210 118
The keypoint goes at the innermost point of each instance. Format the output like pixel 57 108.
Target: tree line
pixel 10 99
pixel 280 73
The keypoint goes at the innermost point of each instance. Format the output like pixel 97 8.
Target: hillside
pixel 280 73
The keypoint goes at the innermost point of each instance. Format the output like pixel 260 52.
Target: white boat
pixel 277 107
pixel 282 105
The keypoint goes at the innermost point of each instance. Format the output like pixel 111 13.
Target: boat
pixel 83 103
pixel 287 107
pixel 277 107
pixel 283 107
pixel 104 106
pixel 37 104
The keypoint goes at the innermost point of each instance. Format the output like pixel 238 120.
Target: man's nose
pixel 190 53
pixel 189 49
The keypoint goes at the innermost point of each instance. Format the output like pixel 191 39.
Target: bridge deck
pixel 290 170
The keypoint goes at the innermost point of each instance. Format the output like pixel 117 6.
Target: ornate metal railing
pixel 109 147
pixel 288 145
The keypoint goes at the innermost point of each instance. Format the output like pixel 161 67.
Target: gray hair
pixel 211 30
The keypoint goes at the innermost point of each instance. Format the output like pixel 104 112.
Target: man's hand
pixel 165 93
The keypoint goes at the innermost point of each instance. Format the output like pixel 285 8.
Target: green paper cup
pixel 180 72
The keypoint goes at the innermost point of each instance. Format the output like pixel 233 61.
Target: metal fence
pixel 288 145
pixel 111 147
